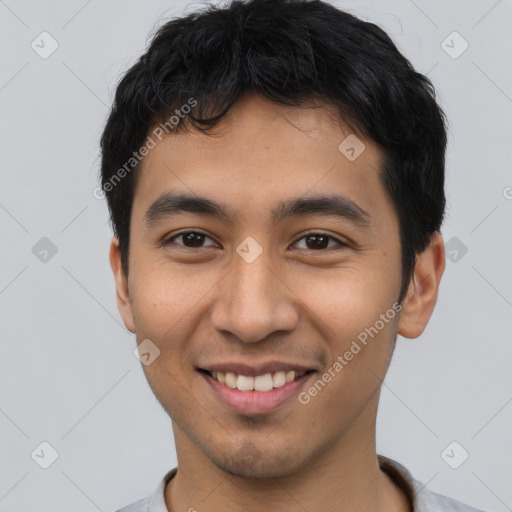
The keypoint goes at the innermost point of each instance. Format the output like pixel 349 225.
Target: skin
pixel 296 302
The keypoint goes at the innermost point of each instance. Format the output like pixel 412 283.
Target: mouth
pixel 255 394
pixel 263 383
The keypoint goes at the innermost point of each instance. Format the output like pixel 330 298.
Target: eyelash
pixel 166 242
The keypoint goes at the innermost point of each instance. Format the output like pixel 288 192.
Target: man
pixel 274 172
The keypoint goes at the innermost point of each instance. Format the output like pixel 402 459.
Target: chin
pixel 251 461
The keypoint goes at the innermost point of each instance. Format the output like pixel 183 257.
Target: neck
pixel 344 476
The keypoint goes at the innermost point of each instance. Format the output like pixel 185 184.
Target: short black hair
pixel 290 52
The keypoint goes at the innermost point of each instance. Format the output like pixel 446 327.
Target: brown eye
pixel 318 241
pixel 190 239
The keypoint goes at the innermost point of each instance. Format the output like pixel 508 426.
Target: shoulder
pixel 420 498
pixel 428 501
pixel 155 502
pixel 138 506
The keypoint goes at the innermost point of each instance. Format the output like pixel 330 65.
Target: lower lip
pixel 256 402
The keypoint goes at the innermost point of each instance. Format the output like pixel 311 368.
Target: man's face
pixel 209 299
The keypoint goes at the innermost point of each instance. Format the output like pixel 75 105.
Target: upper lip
pixel 252 370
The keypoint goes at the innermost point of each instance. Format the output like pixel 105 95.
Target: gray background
pixel 68 375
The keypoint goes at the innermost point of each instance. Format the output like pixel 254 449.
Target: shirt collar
pixel 157 500
pixel 398 473
pixel 403 479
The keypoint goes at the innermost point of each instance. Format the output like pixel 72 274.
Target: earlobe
pixel 122 291
pixel 421 298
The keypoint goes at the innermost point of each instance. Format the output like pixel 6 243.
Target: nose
pixel 254 301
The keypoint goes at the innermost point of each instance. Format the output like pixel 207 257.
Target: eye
pixel 318 241
pixel 195 239
pixel 190 239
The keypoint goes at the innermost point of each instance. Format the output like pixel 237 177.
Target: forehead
pixel 260 154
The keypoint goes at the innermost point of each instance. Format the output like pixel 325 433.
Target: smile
pixel 255 395
pixel 265 382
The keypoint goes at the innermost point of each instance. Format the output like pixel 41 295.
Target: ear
pixel 421 297
pixel 122 292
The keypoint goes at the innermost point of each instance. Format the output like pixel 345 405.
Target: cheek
pixel 165 307
pixel 344 301
pixel 359 359
pixel 164 295
pixel 357 317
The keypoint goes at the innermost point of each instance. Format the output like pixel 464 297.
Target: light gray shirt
pixel 420 498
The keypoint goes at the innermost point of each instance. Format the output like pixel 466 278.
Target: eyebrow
pixel 170 204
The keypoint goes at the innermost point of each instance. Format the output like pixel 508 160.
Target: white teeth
pixel 260 383
pixel 244 383
pixel 263 382
pixel 279 379
pixel 290 376
pixel 230 380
